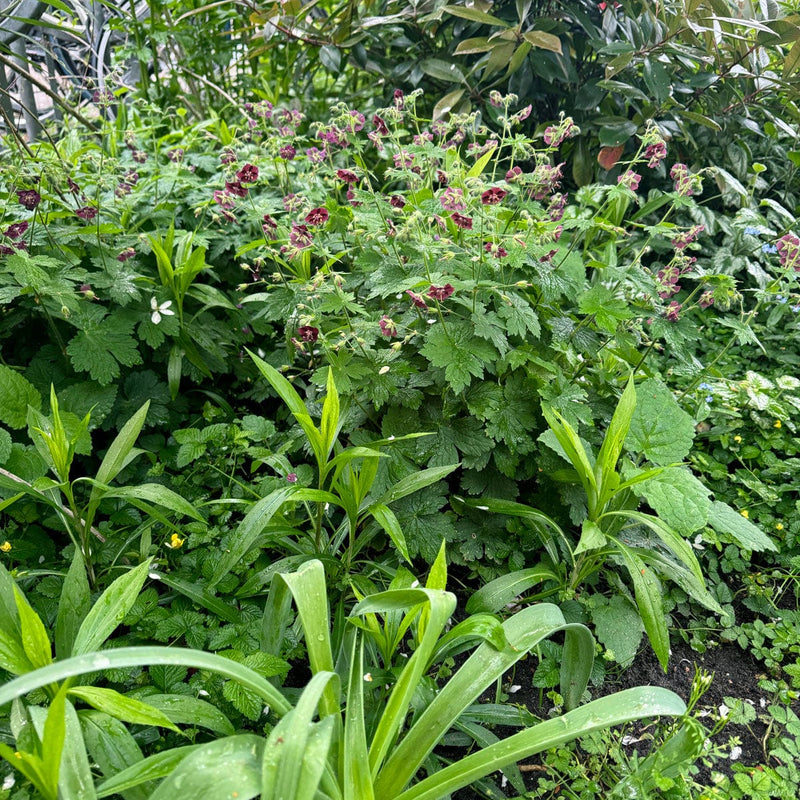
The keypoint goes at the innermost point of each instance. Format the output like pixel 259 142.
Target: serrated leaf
pixel 243 700
pixel 459 353
pixel 619 627
pixel 16 394
pixel 101 347
pixel 678 498
pixel 660 429
pixel 725 520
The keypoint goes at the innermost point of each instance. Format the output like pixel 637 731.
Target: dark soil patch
pixel 736 674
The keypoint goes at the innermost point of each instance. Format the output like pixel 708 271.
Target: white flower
pixel 160 310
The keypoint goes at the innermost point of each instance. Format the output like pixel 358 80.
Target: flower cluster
pixel 554 135
pixel 788 249
pixel 686 184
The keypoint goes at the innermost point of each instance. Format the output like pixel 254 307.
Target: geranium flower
pixel 300 236
pixel 86 213
pixel 308 333
pixel 440 292
pixel 29 198
pixel 287 152
pixel 347 175
pixel 461 221
pixel 453 199
pixel 387 326
pixel 380 126
pixel 417 299
pixel 160 310
pixel 493 196
pixel 248 173
pixel 235 188
pixel 317 216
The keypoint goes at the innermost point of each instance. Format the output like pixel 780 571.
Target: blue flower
pixel 750 230
pixel 706 387
pixel 709 399
pixel 769 248
pixel 795 309
pixel 781 299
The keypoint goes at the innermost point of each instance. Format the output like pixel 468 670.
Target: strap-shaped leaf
pixel 616 709
pixel 249 529
pixel 110 609
pixel 127 709
pixel 149 769
pixel 229 767
pixel 116 457
pixel 73 606
pixel 523 631
pixel 497 594
pixel 356 777
pixel 613 441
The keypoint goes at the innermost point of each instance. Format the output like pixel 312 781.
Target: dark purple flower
pixel 351 198
pixel 300 236
pixel 440 292
pixel 493 196
pixel 495 250
pixel 387 326
pixel 248 173
pixel 380 126
pixel 270 225
pixel 399 99
pixel 346 175
pixel 461 221
pixel 287 152
pixel 513 174
pixel 139 156
pixel 315 155
pixel 227 156
pixel 16 230
pixel 125 254
pixel 86 213
pixel 417 300
pixel 292 477
pixel 674 310
pixel 396 201
pixel 655 153
pixel 29 198
pixel 73 187
pixel 235 188
pixel 176 155
pixel 308 333
pixel 687 237
pixel 317 216
pixel 357 120
pixel 223 199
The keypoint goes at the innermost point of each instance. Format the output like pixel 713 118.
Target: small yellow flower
pixel 777 424
pixel 779 526
pixel 5 547
pixel 737 439
pixel 745 513
pixel 175 541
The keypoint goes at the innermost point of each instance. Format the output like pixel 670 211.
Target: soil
pixel 736 674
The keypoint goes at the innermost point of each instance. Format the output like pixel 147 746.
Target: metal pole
pixel 27 100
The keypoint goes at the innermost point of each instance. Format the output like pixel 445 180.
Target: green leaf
pixel 477 168
pixel 678 498
pixel 181 708
pixel 158 495
pixel 414 482
pixel 616 709
pixel 497 594
pixel 613 441
pixel 619 627
pixel 647 590
pixel 385 517
pixel 660 429
pixel 101 347
pixel 16 394
pixel 156 766
pixel 474 15
pixel 73 606
pixel 748 536
pixel 116 456
pixel 458 352
pixel 229 767
pixel 592 538
pixel 249 529
pixel 34 637
pixel 123 708
pixel 55 733
pixel 110 609
pixel 75 779
pixel 331 422
pixel 543 40
pixel 607 308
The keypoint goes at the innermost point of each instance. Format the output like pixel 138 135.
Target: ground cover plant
pixel 268 368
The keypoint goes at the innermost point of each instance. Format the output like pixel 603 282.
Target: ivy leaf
pixel 660 429
pixel 459 353
pixel 16 394
pixel 678 498
pixel 102 345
